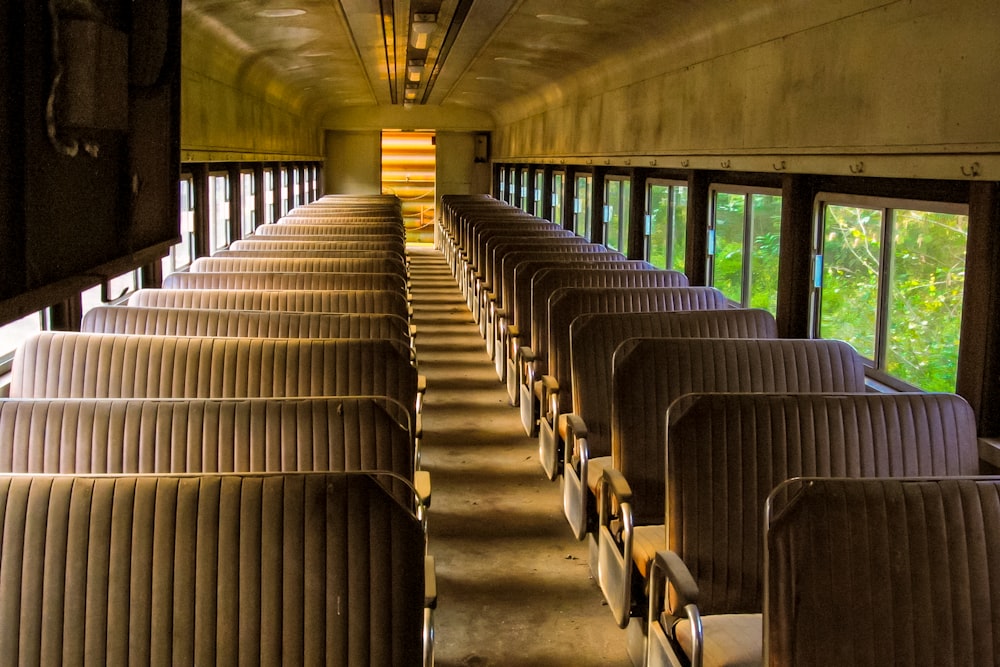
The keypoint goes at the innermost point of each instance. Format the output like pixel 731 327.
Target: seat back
pixel 81 365
pixel 210 569
pixel 726 452
pixel 880 572
pixel 243 323
pixel 390 229
pixel 316 301
pixel 277 243
pixel 594 337
pixel 649 374
pixel 136 436
pixel 286 281
pixel 297 265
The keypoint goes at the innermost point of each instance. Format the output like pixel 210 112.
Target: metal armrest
pixel 615 543
pixel 576 467
pixel 422 483
pixel 430 604
pixel 667 569
pixel 421 391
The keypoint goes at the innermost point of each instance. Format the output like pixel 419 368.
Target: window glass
pixel 612 214
pixel 746 228
pixel 13 333
pixel 584 185
pixel 118 287
pixel 892 285
pixel 678 227
pixel 285 200
pixel 268 196
pixel 503 183
pixel 180 254
pixel 557 198
pixel 248 203
pixel 218 202
pixel 539 191
pixel 524 191
pixel 765 238
pixel 727 264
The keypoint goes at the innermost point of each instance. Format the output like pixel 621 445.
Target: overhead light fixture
pixel 564 20
pixel 279 13
pixel 421 28
pixel 410 94
pixel 414 70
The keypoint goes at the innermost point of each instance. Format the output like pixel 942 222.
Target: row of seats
pixel 230 464
pixel 675 421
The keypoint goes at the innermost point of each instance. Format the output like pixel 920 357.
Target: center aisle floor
pixel 514 587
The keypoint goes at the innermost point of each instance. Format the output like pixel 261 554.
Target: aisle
pixel 514 587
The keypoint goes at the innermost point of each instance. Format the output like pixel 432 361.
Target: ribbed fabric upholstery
pixel 518 268
pixel 286 281
pixel 276 243
pixel 594 337
pixel 650 374
pixel 535 228
pixel 202 435
pixel 321 233
pixel 306 229
pixel 726 452
pixel 545 282
pixel 296 265
pixel 317 301
pixel 209 570
pixel 886 572
pixel 79 365
pixel 499 246
pixel 243 323
pixel 302 253
pixel 626 293
pixel 313 216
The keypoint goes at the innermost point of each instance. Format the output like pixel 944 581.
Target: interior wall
pixel 798 84
pixel 458 173
pixel 353 162
pixel 232 110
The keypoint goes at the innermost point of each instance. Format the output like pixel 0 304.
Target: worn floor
pixel 514 587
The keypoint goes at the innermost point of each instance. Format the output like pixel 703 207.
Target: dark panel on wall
pixel 91 180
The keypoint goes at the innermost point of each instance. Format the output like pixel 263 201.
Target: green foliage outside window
pixel 917 338
pixel 667 226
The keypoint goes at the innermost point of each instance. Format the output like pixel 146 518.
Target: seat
pixel 287 281
pixel 304 568
pixel 764 440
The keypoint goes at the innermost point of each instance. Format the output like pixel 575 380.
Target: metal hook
pixel 973 170
pixel 685 163
pixel 778 166
pixel 857 168
pixel 726 164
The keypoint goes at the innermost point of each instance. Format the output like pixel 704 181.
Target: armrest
pixel 577 451
pixel 500 313
pixel 550 384
pixel 413 331
pixel 617 486
pixel 491 295
pixel 668 570
pixel 526 354
pixel 422 483
pixel 989 451
pixel 513 331
pixel 678 577
pixel 430 583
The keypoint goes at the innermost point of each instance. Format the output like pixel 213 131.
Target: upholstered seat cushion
pixel 731 640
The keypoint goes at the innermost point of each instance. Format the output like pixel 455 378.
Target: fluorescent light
pixel 421 28
pixel 279 13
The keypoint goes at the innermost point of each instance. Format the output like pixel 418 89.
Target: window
pixel 13 334
pixel 218 211
pixel 118 287
pixel 524 190
pixel 557 197
pixel 666 226
pixel 745 233
pixel 248 203
pixel 268 196
pixel 890 281
pixel 581 207
pixel 511 184
pixel 181 254
pixel 296 194
pixel 503 183
pixel 617 192
pixel 539 191
pixel 285 195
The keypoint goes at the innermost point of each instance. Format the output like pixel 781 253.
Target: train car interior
pixel 500 332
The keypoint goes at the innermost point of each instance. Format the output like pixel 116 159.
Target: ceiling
pixel 479 54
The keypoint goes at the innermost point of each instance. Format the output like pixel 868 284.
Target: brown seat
pixel 243 323
pixel 297 265
pixel 880 572
pixel 104 435
pixel 631 291
pixel 649 375
pixel 726 452
pixel 594 337
pixel 390 229
pixel 278 243
pixel 306 568
pixel 319 301
pixel 286 281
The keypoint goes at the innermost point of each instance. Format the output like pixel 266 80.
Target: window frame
pixel 558 205
pixel 747 191
pixel 215 225
pixel 875 368
pixel 624 202
pixel 670 261
pixel 581 208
